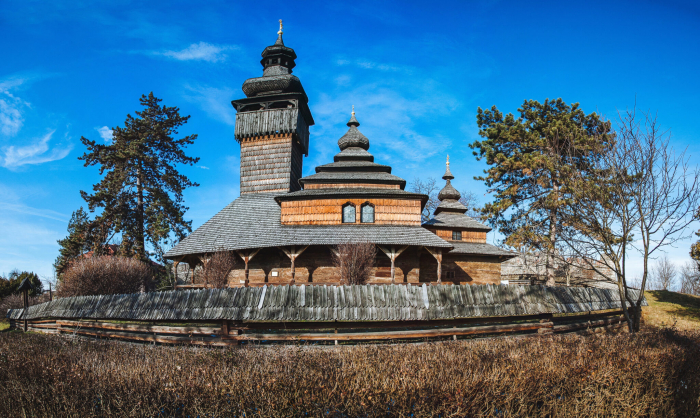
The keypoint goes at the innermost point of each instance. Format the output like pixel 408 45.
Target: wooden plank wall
pixel 329 211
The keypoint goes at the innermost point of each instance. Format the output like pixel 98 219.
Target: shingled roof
pixel 479 248
pixel 253 221
pixel 331 303
pixel 456 220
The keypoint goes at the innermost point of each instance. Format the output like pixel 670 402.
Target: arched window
pixel 367 212
pixel 348 213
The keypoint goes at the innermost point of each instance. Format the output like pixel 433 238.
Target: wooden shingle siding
pixel 330 303
pixel 467 236
pixel 351 186
pixel 270 163
pixel 329 211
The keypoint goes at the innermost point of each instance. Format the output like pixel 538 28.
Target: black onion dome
pixel 278 62
pixel 353 137
pixel 449 193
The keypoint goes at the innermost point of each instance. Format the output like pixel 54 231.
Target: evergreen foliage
pixel 76 243
pixel 141 192
pixel 530 159
pixel 9 285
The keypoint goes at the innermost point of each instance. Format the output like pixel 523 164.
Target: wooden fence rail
pixel 235 332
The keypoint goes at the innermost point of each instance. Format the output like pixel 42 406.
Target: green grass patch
pixel 4 324
pixel 670 308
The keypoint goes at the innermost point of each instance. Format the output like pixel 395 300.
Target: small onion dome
pixel 448 192
pixel 353 137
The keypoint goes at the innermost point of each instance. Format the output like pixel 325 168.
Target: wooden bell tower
pixel 272 124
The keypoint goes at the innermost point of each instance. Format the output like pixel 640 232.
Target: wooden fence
pixel 330 314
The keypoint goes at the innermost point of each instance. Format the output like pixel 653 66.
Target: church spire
pixel 279 35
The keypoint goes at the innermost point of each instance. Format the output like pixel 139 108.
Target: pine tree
pixel 141 192
pixel 530 159
pixel 76 243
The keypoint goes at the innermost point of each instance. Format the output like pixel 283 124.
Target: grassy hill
pixel 666 308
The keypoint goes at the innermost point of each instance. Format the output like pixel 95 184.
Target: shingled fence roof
pixel 331 303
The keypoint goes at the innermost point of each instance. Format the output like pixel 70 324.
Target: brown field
pixel 652 374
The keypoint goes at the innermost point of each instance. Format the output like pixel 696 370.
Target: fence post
pixel 549 325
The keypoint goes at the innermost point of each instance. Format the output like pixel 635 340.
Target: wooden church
pixel 285 227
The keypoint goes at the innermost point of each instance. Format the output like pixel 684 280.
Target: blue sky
pixel 415 71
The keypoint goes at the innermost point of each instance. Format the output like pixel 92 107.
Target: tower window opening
pixel 367 213
pixel 456 235
pixel 349 213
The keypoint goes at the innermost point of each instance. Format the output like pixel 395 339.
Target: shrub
pixel 105 275
pixel 354 261
pixel 15 301
pixel 9 285
pixel 216 268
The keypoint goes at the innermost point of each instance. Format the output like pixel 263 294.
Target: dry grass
pixel 653 374
pixel 668 308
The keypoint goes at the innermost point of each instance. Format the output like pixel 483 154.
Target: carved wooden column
pixel 247 256
pixel 437 253
pixel 392 253
pixel 292 252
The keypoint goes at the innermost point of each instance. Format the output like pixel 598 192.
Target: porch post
pixel 392 253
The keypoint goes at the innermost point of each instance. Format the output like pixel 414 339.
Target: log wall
pixel 329 211
pixel 315 265
pixel 467 269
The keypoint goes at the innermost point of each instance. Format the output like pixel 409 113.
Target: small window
pixel 456 235
pixel 349 213
pixel 367 211
pixel 450 275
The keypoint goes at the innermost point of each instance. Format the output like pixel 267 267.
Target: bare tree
pixel 642 200
pixel 216 268
pixel 690 278
pixel 354 261
pixel 430 188
pixel 471 201
pixel 663 274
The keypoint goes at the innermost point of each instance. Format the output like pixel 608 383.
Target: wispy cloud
pixel 201 51
pixel 11 119
pixel 203 167
pixel 38 152
pixel 106 134
pixel 216 102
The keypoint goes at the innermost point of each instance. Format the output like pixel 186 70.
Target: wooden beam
pixel 293 253
pixel 247 256
pixel 392 253
pixel 437 253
